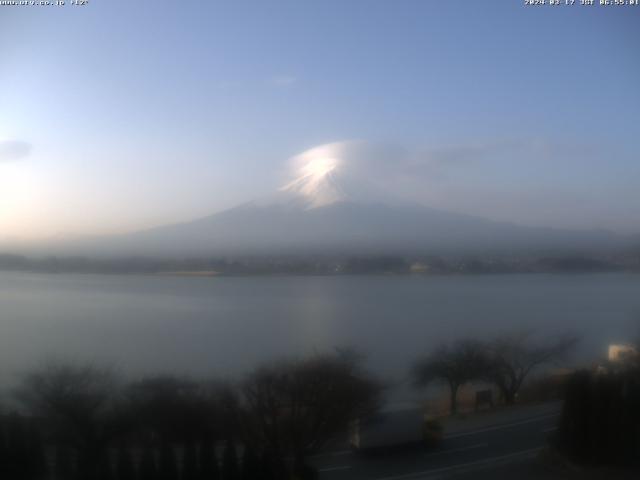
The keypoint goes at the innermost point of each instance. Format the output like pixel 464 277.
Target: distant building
pixel 419 267
pixel 621 352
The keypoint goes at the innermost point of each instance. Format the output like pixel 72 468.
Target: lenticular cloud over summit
pixel 349 171
pixel 340 199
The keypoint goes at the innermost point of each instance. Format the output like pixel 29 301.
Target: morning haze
pixel 334 240
pixel 169 113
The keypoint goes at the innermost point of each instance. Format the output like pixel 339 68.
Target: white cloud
pixel 283 80
pixel 11 150
pixel 529 181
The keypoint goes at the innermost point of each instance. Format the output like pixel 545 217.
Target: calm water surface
pixel 225 326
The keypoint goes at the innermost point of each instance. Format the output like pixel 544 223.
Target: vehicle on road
pixel 393 429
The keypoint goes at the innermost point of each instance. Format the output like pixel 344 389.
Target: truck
pixel 394 429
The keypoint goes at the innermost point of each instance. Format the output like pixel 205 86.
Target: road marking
pixel 333 469
pixel 341 452
pixel 455 450
pixel 498 427
pixel 433 454
pixel 337 453
pixel 486 461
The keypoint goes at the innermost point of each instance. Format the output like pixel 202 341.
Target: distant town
pixel 627 261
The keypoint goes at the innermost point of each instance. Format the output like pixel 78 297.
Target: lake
pixel 224 326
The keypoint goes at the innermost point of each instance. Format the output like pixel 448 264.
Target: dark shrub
pixel 600 420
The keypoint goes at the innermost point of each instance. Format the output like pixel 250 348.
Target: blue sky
pixel 122 115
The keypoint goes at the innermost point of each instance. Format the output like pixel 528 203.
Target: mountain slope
pixel 346 228
pixel 329 206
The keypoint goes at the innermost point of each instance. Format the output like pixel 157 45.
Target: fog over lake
pixel 224 326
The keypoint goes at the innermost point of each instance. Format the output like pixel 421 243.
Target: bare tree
pixel 453 364
pixel 174 408
pixel 295 407
pixel 77 401
pixel 513 357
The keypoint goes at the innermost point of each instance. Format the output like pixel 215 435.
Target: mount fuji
pixel 329 207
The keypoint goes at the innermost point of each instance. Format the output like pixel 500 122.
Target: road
pixel 475 442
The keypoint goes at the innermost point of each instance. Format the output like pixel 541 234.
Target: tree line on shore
pixel 505 361
pixel 326 264
pixel 600 419
pixel 82 422
pixel 79 422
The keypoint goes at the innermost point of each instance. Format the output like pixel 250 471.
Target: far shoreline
pixel 487 263
pixel 216 274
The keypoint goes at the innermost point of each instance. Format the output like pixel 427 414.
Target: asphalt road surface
pixel 511 435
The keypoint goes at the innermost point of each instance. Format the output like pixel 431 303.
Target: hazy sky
pixel 120 115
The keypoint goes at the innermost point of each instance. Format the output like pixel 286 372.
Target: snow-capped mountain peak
pixel 329 174
pixel 336 202
pixel 318 190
